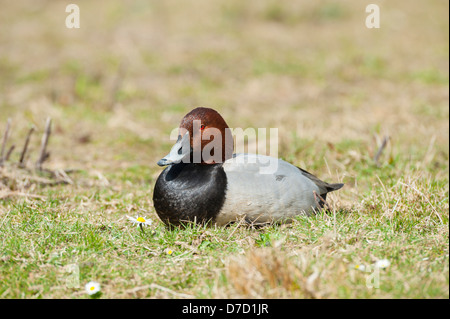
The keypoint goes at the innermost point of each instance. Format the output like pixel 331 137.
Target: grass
pixel 117 86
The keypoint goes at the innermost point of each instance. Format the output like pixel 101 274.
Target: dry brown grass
pixel 268 273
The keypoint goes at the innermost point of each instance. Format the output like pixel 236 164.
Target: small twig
pixel 236 227
pixel 8 154
pixel 25 147
pixel 380 150
pixel 61 174
pixel 9 193
pixel 5 138
pixel 43 155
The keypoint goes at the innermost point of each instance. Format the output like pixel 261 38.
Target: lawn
pixel 116 87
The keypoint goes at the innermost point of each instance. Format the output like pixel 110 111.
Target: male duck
pixel 226 189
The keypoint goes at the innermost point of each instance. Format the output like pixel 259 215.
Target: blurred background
pixel 118 85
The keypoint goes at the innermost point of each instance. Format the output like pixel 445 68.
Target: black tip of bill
pixel 163 162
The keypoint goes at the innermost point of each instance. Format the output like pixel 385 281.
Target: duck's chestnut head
pixel 203 137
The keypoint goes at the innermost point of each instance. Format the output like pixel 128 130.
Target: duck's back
pixel 264 188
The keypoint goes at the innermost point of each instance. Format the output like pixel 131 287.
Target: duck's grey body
pixel 261 197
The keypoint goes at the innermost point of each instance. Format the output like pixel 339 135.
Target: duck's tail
pixel 333 187
pixel 329 188
pixel 324 187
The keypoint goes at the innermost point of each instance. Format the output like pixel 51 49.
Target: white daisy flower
pixel 140 221
pixel 92 287
pixel 382 263
pixel 360 267
pixel 168 251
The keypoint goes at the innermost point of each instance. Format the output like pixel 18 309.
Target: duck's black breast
pixel 190 192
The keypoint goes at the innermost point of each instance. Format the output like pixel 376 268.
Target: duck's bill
pixel 178 153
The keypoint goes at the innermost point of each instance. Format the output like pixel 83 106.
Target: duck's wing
pixel 278 193
pixel 324 187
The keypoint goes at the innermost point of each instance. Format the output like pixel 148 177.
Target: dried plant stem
pixel 16 193
pixel 62 175
pixel 8 154
pixel 25 147
pixel 5 139
pixel 43 154
pixel 380 150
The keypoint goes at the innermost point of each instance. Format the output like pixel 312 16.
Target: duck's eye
pixel 202 127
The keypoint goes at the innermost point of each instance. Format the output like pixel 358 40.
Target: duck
pixel 204 184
